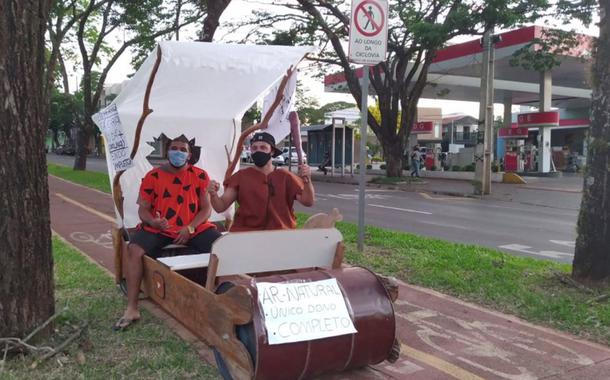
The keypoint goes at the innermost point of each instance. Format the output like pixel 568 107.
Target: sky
pixel 314 87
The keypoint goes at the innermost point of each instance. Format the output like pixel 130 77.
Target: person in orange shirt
pixel 174 207
pixel 265 194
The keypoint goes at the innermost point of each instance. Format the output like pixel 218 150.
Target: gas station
pixel 550 132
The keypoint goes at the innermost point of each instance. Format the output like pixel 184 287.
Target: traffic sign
pixel 368 31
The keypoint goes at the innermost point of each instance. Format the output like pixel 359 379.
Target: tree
pixel 26 278
pixel 65 113
pixel 312 114
pixel 214 9
pixel 592 254
pixel 142 22
pixel 416 31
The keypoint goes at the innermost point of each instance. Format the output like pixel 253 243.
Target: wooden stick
pixel 45 324
pixel 63 345
pixel 4 358
pixel 262 125
pixel 146 110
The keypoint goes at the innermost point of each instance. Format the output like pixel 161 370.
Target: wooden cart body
pixel 235 257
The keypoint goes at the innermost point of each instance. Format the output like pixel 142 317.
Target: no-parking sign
pixel 368 32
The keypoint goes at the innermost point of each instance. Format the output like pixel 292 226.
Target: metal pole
pixel 479 152
pixel 332 151
pixel 363 134
pixel 353 161
pixel 290 152
pixel 343 148
pixel 489 118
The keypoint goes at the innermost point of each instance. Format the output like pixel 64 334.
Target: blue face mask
pixel 177 158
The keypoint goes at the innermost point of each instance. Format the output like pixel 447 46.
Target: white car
pixel 245 156
pixel 278 161
pixel 294 158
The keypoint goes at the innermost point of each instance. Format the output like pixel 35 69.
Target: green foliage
pixel 252 115
pixel 456 168
pixel 313 115
pixel 65 111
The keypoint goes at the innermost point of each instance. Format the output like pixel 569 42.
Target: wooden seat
pixel 186 261
pixel 253 252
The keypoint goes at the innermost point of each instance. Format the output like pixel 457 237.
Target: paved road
pixel 531 222
pixel 524 229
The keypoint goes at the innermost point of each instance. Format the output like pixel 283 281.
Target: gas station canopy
pixel 456 70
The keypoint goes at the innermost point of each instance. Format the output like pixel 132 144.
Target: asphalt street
pixel 523 229
pixel 542 224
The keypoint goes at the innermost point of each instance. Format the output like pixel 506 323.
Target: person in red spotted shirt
pixel 174 207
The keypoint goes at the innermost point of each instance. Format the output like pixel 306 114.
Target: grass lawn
pixel 95 180
pixel 536 290
pixel 148 350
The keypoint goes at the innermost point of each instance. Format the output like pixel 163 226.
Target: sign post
pixel 368 41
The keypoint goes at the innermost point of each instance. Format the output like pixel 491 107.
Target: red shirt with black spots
pixel 175 196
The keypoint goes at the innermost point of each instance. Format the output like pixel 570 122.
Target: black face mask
pixel 261 158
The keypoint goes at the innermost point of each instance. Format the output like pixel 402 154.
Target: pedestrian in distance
pixel 415 161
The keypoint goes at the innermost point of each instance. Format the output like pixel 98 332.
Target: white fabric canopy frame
pixel 200 90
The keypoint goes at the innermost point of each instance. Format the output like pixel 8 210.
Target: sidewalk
pixel 564 192
pixel 442 337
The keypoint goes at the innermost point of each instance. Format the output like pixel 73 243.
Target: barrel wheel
pixel 244 333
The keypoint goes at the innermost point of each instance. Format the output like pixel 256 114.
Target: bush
pixel 469 167
pixel 376 159
pixel 495 167
pixel 433 168
pixel 456 168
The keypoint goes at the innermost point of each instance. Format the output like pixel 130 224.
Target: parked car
pixel 294 158
pixel 65 149
pixel 246 155
pixel 278 161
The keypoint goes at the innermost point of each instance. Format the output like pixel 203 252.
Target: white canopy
pixel 201 90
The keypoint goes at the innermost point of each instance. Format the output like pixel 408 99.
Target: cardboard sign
pixel 279 125
pixel 368 31
pixel 296 312
pixel 109 123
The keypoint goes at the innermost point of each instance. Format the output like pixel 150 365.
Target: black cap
pixel 268 138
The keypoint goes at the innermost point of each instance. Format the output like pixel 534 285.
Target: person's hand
pixel 304 171
pixel 159 222
pixel 183 236
pixel 213 187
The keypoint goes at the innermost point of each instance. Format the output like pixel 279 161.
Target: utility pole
pixel 483 154
pixel 489 116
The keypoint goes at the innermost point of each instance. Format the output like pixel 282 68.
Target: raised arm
pixel 221 203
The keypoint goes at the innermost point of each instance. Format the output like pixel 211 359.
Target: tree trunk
pixel 26 274
pixel 393 153
pixel 592 254
pixel 82 144
pixel 211 22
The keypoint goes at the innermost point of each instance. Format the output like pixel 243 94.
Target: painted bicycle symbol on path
pixel 103 240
